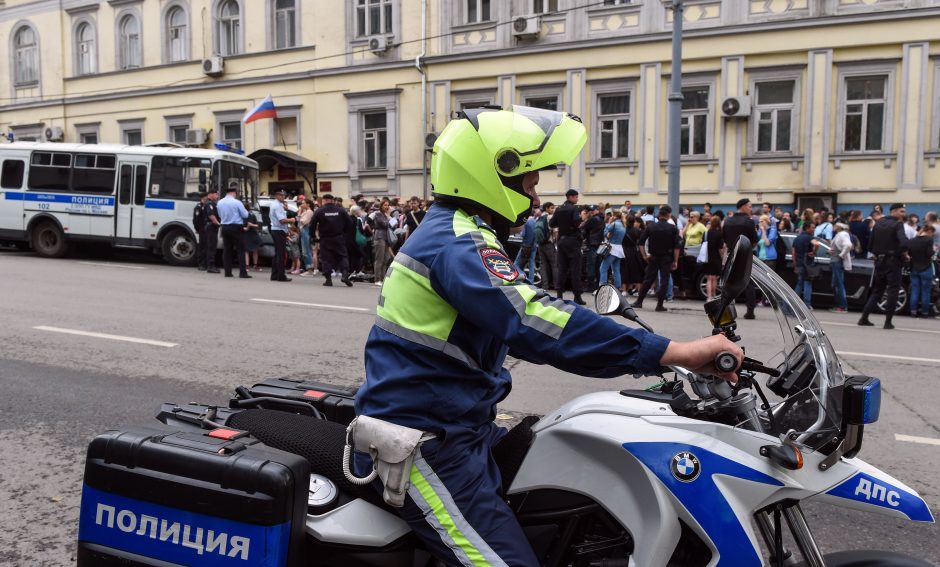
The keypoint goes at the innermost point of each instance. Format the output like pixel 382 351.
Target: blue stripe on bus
pixel 61 198
pixel 167 205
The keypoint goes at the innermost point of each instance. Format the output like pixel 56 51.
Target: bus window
pixel 140 185
pixel 50 171
pixel 247 178
pixel 124 189
pixel 93 174
pixel 12 176
pixel 176 178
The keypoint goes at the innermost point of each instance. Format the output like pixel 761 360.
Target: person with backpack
pixel 199 225
pixel 824 229
pixel 546 246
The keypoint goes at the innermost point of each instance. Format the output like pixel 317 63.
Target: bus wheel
pixel 179 248
pixel 48 240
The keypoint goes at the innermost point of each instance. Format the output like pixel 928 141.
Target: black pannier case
pixel 335 402
pixel 214 498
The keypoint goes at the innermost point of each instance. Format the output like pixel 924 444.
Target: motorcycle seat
pixel 321 442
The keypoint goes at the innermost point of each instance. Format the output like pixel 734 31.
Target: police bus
pixel 128 196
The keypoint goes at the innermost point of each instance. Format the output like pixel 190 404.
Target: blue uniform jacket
pixel 453 306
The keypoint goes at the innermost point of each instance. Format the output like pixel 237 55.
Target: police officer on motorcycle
pixel 887 244
pixel 454 305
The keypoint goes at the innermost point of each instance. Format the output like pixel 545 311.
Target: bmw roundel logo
pixel 685 466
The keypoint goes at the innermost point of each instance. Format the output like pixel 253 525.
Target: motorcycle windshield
pixel 806 399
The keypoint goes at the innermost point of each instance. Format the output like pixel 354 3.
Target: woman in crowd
pixel 614 233
pixel 715 243
pixel 922 253
pixel 786 224
pixel 381 244
pixel 767 241
pixel 632 267
pixel 840 261
pixel 304 216
pixel 694 232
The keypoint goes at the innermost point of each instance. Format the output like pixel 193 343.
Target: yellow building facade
pixel 786 101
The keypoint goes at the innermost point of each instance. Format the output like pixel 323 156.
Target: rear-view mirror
pixel 608 300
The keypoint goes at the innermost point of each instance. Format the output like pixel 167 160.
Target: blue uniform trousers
pixel 455 503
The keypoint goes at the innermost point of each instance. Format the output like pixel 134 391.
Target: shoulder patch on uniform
pixel 498 264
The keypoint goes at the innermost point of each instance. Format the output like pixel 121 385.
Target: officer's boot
pixel 888 324
pixel 329 280
pixel 660 307
pixel 578 300
pixel 346 279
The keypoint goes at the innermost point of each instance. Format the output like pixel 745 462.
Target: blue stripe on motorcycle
pixel 874 491
pixel 702 497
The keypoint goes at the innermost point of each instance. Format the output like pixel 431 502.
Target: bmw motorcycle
pixel 712 476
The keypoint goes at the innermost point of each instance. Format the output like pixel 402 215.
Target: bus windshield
pixel 226 171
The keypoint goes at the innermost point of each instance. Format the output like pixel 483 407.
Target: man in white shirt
pixel 840 261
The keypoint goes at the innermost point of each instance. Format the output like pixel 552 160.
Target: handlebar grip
pixel 726 362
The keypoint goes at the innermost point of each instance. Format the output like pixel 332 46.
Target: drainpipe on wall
pixel 419 63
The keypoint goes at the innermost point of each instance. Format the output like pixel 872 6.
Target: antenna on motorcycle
pixel 609 301
pixel 734 279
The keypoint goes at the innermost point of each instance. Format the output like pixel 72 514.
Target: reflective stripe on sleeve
pixel 434 343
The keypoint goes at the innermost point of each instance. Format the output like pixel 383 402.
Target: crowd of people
pixel 637 249
pixel 576 248
pixel 326 237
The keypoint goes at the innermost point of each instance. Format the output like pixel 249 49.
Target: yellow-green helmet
pixel 482 155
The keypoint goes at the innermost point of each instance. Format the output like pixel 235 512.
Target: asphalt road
pixel 58 389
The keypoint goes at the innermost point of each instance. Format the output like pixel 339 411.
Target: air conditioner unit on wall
pixel 54 134
pixel 213 66
pixel 195 136
pixel 736 107
pixel 378 45
pixel 526 26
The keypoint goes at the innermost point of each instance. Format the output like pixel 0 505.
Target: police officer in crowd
pixel 592 230
pixel 232 214
pixel 741 224
pixel 199 224
pixel 665 245
pixel 567 219
pixel 279 227
pixel 211 231
pixel 887 244
pixel 332 222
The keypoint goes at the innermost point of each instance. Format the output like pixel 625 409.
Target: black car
pixel 857 281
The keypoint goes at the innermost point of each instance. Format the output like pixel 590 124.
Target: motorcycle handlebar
pixel 726 362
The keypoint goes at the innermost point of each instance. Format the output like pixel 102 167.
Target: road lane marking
pixel 318 305
pixel 915 439
pixel 107 265
pixel 106 336
pixel 908 329
pixel 888 356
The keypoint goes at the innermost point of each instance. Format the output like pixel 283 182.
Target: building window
pixel 229 28
pixel 87 133
pixel 178 134
pixel 864 118
pixel 129 43
pixel 177 35
pixel 544 102
pixel 613 126
pixel 374 140
pixel 133 136
pixel 774 116
pixel 373 17
pixel 616 2
pixel 26 56
pixel 544 6
pixel 285 24
pixel 285 131
pixel 232 134
pixel 694 124
pixel 85 55
pixel 477 11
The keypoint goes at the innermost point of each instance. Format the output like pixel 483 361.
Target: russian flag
pixel 265 109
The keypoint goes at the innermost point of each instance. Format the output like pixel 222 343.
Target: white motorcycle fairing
pixel 650 469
